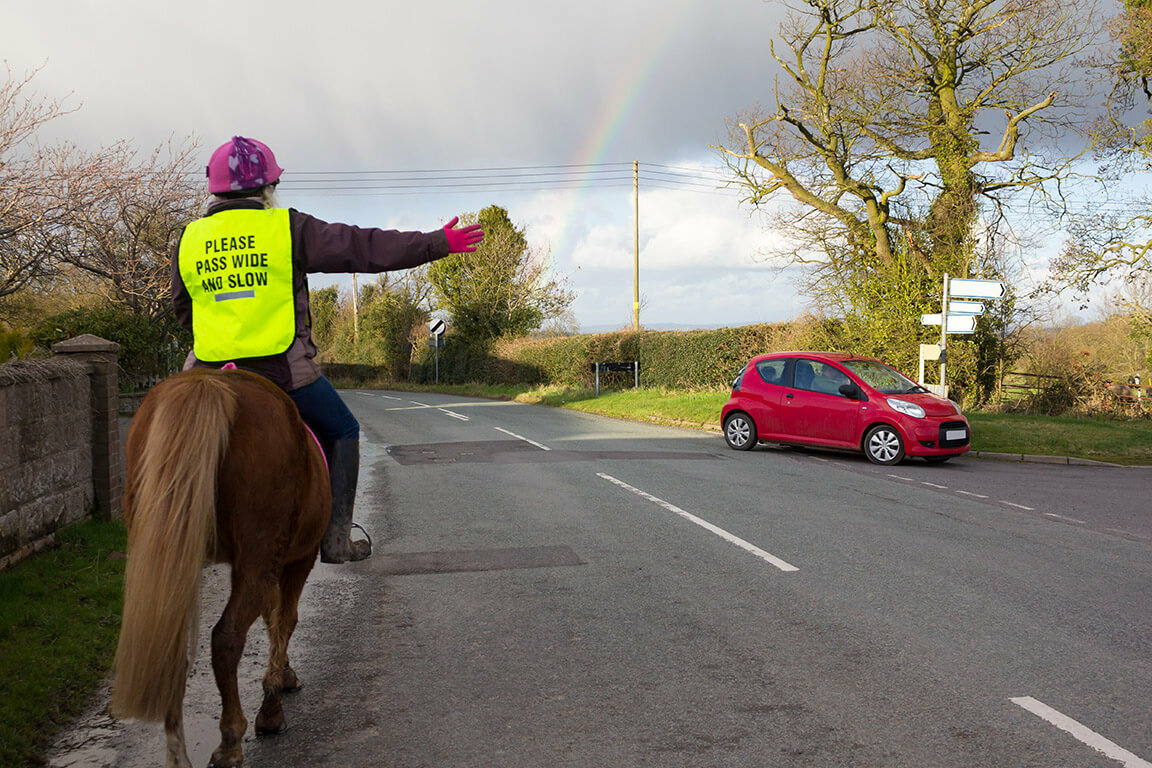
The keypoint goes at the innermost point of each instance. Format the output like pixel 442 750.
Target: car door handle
pixel 789 395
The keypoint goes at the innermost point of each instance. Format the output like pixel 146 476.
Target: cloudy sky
pixel 452 86
pixel 566 94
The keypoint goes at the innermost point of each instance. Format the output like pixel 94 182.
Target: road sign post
pixel 436 339
pixel 958 316
pixel 944 338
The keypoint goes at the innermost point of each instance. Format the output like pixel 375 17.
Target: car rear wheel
pixel 883 445
pixel 740 431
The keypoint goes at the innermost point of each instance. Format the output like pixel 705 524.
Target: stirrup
pixel 365 532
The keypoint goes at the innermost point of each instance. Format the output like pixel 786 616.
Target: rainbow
pixel 620 103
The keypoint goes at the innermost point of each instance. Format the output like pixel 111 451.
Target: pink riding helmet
pixel 241 164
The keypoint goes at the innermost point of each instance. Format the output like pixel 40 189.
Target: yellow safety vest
pixel 237 267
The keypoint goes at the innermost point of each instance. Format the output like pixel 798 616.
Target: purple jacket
pixel 317 246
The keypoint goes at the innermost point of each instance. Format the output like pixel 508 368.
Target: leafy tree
pixel 325 306
pixel 898 133
pixel 392 314
pixel 503 288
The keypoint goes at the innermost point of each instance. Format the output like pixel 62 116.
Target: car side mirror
pixel 850 391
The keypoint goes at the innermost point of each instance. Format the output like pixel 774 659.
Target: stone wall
pixel 59 444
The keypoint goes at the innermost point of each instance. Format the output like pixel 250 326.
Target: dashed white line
pixel 1081 732
pixel 933 485
pixel 521 437
pixel 1065 518
pixel 1018 506
pixel 453 414
pixel 970 493
pixel 901 477
pixel 730 538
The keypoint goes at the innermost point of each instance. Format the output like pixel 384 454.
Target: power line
pixel 514 178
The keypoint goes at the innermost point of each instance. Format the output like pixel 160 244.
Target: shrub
pixel 149 350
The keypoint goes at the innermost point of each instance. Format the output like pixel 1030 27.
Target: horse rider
pixel 239 284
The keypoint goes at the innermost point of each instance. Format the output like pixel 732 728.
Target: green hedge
pixel 670 359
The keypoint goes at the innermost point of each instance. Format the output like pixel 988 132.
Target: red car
pixel 838 400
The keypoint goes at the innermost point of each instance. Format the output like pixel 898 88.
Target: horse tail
pixel 170 505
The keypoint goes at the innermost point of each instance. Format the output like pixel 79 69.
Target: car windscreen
pixel 880 377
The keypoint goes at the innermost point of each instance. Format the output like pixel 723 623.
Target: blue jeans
pixel 323 410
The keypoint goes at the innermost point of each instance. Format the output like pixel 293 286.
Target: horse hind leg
pixel 228 638
pixel 176 749
pixel 281 621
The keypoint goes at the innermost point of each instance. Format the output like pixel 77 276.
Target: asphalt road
pixel 557 589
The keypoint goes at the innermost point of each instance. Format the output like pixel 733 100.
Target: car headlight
pixel 906 408
pixel 956 405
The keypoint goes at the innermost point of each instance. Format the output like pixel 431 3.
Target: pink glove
pixel 463 240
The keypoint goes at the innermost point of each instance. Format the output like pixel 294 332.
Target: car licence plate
pixel 955 434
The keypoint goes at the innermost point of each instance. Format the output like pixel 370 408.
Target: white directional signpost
pixel 957 316
pixel 436 340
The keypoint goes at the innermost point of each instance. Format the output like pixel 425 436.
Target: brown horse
pixel 219 467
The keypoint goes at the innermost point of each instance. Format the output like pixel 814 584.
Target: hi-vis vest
pixel 237 267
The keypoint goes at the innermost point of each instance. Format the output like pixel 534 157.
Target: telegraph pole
pixel 636 245
pixel 355 311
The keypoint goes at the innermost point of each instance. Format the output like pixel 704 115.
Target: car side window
pixel 771 371
pixel 820 377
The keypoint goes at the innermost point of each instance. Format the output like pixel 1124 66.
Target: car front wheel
pixel 883 445
pixel 740 431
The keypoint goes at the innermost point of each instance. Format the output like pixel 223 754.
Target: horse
pixel 220 467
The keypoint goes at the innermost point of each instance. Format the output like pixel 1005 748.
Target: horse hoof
pixel 270 727
pixel 225 761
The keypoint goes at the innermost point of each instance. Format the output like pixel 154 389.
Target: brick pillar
pixel 103 367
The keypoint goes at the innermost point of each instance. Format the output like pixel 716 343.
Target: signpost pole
pixel 944 336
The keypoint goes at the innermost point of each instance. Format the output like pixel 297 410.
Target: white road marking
pixel 969 493
pixel 1067 519
pixel 1018 506
pixel 521 437
pixel 1081 732
pixel 1129 533
pixel 766 557
pixel 901 477
pixel 933 485
pixel 453 414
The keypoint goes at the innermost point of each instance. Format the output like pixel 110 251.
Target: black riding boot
pixel 344 469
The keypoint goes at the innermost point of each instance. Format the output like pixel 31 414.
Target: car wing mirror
pixel 851 391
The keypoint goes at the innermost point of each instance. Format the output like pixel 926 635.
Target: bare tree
pixel 898 120
pixel 25 212
pixel 132 215
pixel 109 213
pixel 1111 239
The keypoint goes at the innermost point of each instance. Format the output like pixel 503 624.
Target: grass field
pixel 59 619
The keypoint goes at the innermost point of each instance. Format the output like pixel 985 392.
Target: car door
pixel 813 410
pixel 762 390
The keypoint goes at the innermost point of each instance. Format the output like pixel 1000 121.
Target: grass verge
pixel 1111 440
pixel 59 620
